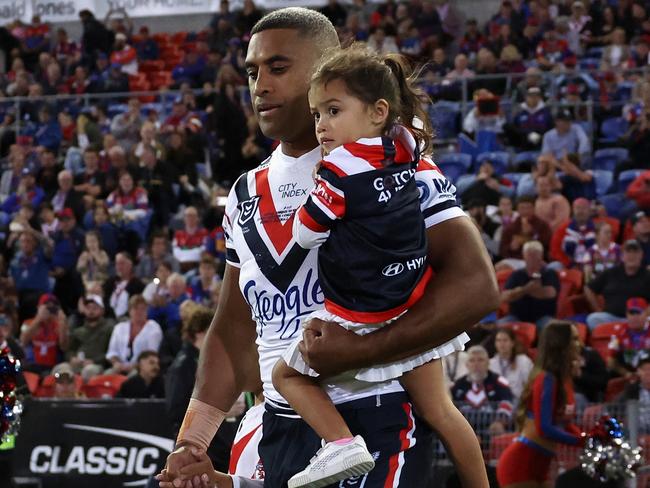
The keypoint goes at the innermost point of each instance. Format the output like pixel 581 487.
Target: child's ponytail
pixel 411 113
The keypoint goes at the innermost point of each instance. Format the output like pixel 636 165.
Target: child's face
pixel 100 216
pixel 341 117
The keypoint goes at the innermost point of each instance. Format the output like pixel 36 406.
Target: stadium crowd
pixel 110 210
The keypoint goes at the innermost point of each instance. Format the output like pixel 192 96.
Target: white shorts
pixel 244 459
pixel 380 372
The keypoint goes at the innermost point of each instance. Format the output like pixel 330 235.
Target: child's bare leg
pixel 311 402
pixel 428 391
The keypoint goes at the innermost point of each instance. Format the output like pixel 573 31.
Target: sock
pixel 344 441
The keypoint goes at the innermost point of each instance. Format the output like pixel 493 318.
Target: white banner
pixel 61 10
pixel 11 10
pixel 155 8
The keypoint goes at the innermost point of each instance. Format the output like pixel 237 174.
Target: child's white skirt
pixel 380 372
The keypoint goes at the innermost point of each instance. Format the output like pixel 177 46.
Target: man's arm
pixel 592 298
pixel 463 291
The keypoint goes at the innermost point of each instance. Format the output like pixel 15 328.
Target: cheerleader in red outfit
pixel 546 407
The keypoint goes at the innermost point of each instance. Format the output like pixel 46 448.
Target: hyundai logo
pixel 393 269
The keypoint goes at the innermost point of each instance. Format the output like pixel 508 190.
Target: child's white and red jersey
pixel 278 278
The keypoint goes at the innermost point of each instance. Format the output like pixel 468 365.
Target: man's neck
pixel 299 147
pixel 631 270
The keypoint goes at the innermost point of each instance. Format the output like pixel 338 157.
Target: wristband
pixel 200 424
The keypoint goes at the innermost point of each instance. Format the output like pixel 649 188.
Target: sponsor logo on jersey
pixel 388 185
pixel 395 269
pixel 287 308
pixel 247 209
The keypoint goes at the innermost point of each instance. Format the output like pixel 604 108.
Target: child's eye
pixel 333 110
pixel 316 115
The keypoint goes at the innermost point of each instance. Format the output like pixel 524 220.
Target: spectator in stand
pixel 188 242
pixel 487 65
pixel 590 380
pixel 93 263
pixel 552 51
pixel 91 182
pixel 604 254
pixel 551 207
pixel 566 138
pixel 47 132
pixel 89 341
pixel 124 55
pixel 381 43
pixel 66 52
pixel 526 227
pixel 66 196
pixel 190 69
pixel 129 208
pixel 576 182
pixel 617 285
pixel 532 292
pixel 7 336
pixel 45 336
pixel 126 126
pixel 572 240
pixel 640 55
pixel 115 80
pixel 487 186
pixel 482 391
pixel 132 337
pixel 165 309
pixel 65 384
pixel 178 119
pixel 641 233
pixel 473 40
pixel 439 65
pixel 147 383
pixel 248 17
pixel 617 53
pixel 461 69
pixel 146 47
pixel 640 391
pixel 29 269
pixel 12 175
pixel 124 285
pixel 532 121
pixel 201 286
pixel 95 38
pixel 156 177
pixel 158 253
pixel 632 342
pixel 48 219
pixel 68 245
pixel 639 191
pixel 48 172
pixel 27 192
pixel 335 12
pixel 99 221
pixel 510 362
pixel 156 291
pixel 149 138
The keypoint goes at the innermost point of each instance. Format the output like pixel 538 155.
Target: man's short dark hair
pixel 526 199
pixel 308 23
pixel 146 354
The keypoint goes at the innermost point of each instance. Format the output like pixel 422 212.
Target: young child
pixel 364 213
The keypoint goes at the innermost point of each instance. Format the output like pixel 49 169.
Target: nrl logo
pixel 247 209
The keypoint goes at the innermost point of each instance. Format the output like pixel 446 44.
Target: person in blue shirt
pixel 27 192
pixel 47 132
pixel 202 286
pixel 566 138
pixel 165 309
pixel 29 270
pixel 68 245
pixel 146 48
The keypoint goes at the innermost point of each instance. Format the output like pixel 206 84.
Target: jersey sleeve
pixel 324 206
pixel 437 194
pixel 544 398
pixel 229 218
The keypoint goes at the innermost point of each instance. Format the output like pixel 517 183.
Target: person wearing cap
pixel 641 233
pixel 27 192
pixel 531 122
pixel 639 191
pixel 68 245
pixel 46 335
pixel 124 55
pixel 632 340
pixel 566 138
pixel 89 341
pixel 616 285
pixel 65 382
pixel 640 390
pixel 146 47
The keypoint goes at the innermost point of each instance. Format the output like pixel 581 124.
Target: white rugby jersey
pixel 278 278
pixel 244 458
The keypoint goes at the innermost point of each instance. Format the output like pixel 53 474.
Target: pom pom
pixel 607 455
pixel 10 407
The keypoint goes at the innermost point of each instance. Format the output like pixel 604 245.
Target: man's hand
pixel 323 340
pixel 183 456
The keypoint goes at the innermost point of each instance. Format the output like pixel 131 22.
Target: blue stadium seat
pixel 613 203
pixel 595 52
pixel 587 126
pixel 609 158
pixel 612 129
pixel 463 159
pixel 445 118
pixel 452 170
pixel 524 157
pixel 589 63
pixel 627 177
pixel 603 180
pixel 463 183
pixel 499 159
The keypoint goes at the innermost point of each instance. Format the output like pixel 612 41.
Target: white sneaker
pixel 334 462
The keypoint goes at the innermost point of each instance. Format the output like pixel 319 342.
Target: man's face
pixel 27 244
pixel 279 64
pixel 158 247
pixel 525 209
pixel 176 289
pixel 636 318
pixel 91 160
pixel 93 311
pixel 64 387
pixel 123 266
pixel 65 181
pixel 543 187
pixel 562 126
pixel 632 258
pixel 477 365
pixel 534 259
pixel 191 218
pixel 149 367
pixel 642 228
pixel 206 271
pixel 581 212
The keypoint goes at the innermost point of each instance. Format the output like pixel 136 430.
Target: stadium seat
pixel 161 38
pixel 612 129
pixel 179 37
pixel 570 289
pixel 104 386
pixel 161 79
pixel 465 160
pixel 445 118
pixel 603 181
pixel 613 203
pixel 627 177
pixel 608 158
pixel 526 185
pixel 32 380
pixel 46 389
pixel 452 170
pixel 463 183
pixel 601 336
pixel 526 332
pixel 525 157
pixel 583 331
pixel 151 66
pixel 499 159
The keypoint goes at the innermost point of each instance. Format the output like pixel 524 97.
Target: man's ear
pixel 379 112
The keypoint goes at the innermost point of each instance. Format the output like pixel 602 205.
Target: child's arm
pixel 325 205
